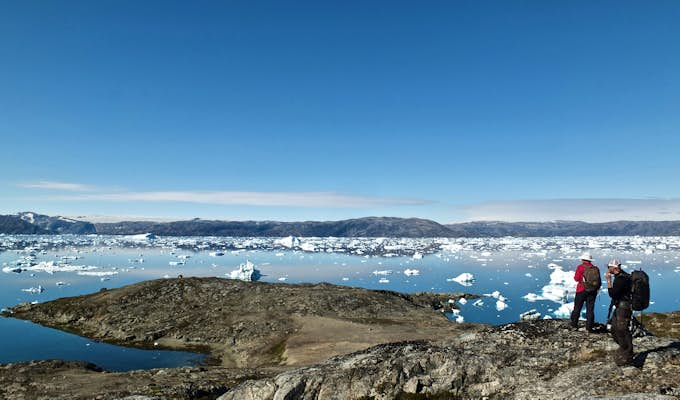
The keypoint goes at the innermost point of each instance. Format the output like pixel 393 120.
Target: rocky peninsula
pixel 248 324
pixel 321 341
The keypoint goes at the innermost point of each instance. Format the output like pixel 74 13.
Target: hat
pixel 614 263
pixel 586 256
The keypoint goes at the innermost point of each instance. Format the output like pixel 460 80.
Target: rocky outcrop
pixel 527 360
pixel 662 324
pixel 75 380
pixel 248 324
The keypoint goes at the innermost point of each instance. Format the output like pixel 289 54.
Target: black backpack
pixel 591 278
pixel 639 292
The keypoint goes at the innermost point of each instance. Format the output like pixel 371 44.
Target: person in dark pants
pixel 584 296
pixel 620 291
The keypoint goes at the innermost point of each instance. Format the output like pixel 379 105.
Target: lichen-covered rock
pixel 527 360
pixel 75 380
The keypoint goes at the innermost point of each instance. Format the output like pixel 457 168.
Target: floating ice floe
pixel 245 272
pixel 532 297
pixel 60 283
pixel 530 315
pixel 411 272
pixel 496 295
pixel 417 255
pixel 478 303
pixel 564 311
pixel 462 301
pixel 558 290
pixel 216 254
pixel 383 272
pixel 97 273
pixel 141 237
pixel 16 270
pixel 383 280
pixel 176 263
pixel 50 267
pixel 501 305
pixel 34 290
pixel 455 315
pixel 308 247
pixel 465 279
pixel 288 242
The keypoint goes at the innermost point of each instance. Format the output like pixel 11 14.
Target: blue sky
pixel 447 110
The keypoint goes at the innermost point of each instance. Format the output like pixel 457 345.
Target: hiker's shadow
pixel 640 358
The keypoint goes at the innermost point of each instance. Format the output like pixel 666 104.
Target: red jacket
pixel 578 276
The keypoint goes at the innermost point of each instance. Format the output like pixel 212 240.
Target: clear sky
pixel 320 110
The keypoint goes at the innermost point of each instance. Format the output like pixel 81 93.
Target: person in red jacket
pixel 584 295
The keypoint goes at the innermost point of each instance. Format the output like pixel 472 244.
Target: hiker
pixel 588 277
pixel 620 292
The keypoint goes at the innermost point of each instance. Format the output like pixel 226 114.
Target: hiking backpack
pixel 591 278
pixel 639 292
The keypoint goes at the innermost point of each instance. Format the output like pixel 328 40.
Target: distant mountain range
pixel 32 223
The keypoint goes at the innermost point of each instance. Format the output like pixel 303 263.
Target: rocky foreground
pixel 321 341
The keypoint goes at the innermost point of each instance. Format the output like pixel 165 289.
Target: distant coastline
pixel 33 223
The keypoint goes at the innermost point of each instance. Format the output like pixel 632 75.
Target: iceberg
pixel 501 305
pixel 34 290
pixel 556 293
pixel 496 295
pixel 532 297
pixel 98 273
pixel 141 237
pixel 564 311
pixel 530 315
pixel 411 272
pixel 383 272
pixel 50 267
pixel 245 272
pixel 465 279
pixel 288 242
pixel 216 254
pixel 462 301
pixel 417 255
pixel 8 270
pixel 383 280
pixel 455 315
pixel 308 247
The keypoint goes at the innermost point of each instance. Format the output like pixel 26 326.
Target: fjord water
pixel 513 268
